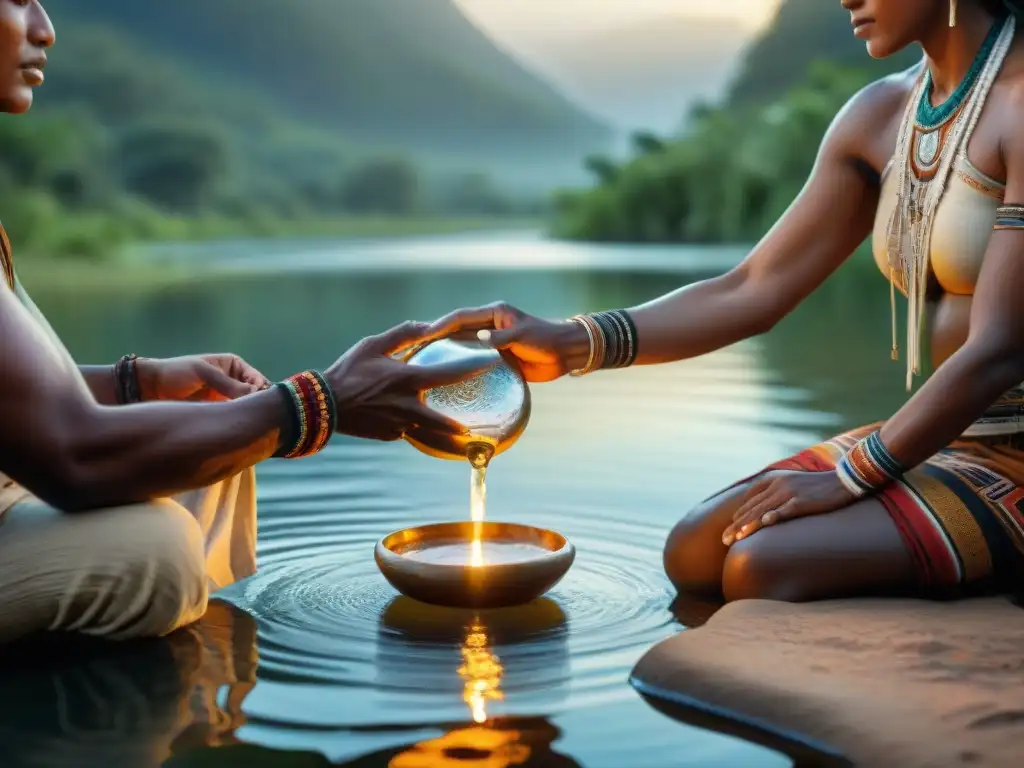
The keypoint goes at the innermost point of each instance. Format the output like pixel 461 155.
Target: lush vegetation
pixel 738 165
pixel 412 73
pixel 175 121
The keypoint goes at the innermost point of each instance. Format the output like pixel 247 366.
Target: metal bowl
pixel 461 585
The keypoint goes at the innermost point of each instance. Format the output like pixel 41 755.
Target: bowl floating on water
pixel 435 563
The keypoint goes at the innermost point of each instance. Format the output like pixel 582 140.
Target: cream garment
pixel 960 232
pixel 138 570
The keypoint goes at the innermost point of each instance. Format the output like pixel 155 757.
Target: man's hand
pixel 198 378
pixel 380 398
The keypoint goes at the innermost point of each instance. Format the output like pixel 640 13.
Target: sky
pixel 515 18
pixel 648 80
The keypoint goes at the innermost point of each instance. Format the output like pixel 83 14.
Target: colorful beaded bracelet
pixel 613 340
pixel 1009 216
pixel 313 414
pixel 868 466
pixel 126 380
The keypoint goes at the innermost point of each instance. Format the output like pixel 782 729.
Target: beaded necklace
pixel 931 139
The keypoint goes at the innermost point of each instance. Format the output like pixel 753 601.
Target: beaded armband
pixel 613 340
pixel 868 466
pixel 313 414
pixel 126 380
pixel 1010 216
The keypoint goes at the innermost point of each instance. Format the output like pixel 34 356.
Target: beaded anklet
pixel 613 340
pixel 1009 216
pixel 313 414
pixel 126 380
pixel 868 466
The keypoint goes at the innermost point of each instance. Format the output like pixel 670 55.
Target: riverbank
pixel 117 265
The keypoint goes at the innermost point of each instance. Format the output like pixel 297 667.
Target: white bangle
pixel 593 348
pixel 846 477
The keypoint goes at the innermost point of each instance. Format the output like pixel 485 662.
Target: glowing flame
pixel 481 673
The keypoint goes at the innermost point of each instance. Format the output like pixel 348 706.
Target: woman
pixel 162 492
pixel 930 164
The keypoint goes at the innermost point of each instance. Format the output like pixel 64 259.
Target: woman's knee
pixel 756 569
pixel 694 551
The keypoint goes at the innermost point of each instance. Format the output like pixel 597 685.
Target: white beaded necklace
pixel 910 228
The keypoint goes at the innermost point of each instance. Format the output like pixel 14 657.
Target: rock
pixel 884 682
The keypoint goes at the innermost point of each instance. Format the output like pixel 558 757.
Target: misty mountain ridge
pixel 407 73
pixel 646 75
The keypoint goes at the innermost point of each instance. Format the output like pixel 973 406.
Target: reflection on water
pixel 129 705
pixel 481 672
pixel 501 745
pixel 320 663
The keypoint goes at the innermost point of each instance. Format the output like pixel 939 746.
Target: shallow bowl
pixel 399 556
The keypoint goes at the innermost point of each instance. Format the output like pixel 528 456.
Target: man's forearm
pixel 100 379
pixel 133 453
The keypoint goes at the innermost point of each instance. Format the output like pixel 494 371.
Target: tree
pixel 388 185
pixel 176 165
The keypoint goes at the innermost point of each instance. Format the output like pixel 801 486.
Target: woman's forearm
pixel 118 455
pixel 100 379
pixel 701 318
pixel 954 397
pixel 689 322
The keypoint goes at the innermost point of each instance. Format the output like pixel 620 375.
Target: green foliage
pixel 733 173
pixel 739 165
pixel 137 136
pixel 412 74
pixel 176 165
pixel 387 185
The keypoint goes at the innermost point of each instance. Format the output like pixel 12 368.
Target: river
pixel 318 661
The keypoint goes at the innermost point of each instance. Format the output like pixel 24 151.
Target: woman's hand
pixel 544 350
pixel 380 398
pixel 198 377
pixel 785 496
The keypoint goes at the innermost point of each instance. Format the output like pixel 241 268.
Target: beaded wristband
pixel 868 466
pixel 126 380
pixel 613 340
pixel 313 414
pixel 1009 216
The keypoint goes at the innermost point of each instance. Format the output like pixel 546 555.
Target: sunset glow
pixel 518 17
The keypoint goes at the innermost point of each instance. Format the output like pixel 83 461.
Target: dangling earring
pixel 952 13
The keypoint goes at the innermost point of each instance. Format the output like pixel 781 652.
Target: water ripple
pixel 328 618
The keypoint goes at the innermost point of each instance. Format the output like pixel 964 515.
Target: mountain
pixel 803 31
pixel 647 74
pixel 409 73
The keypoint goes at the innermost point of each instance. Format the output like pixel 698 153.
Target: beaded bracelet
pixel 613 340
pixel 126 380
pixel 868 466
pixel 313 414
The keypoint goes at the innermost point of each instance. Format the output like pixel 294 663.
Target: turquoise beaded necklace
pixel 929 117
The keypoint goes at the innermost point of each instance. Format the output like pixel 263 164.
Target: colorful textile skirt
pixel 961 513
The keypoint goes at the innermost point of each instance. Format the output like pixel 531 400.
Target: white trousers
pixel 141 570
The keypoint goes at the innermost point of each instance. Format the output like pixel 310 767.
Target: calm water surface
pixel 317 660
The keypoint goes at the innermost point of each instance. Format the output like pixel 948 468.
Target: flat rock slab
pixel 884 682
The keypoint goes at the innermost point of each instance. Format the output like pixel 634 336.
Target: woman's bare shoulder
pixel 869 123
